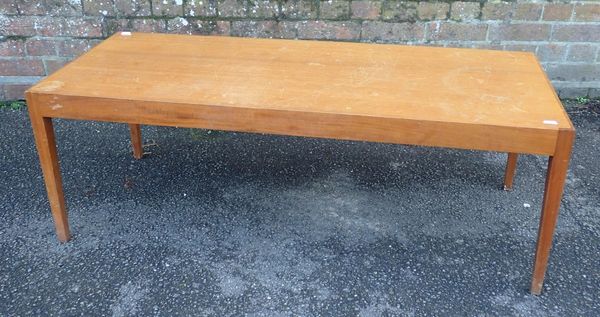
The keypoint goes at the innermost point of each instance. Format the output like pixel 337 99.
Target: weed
pixel 13 105
pixel 582 100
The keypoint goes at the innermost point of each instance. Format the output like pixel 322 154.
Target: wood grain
pixel 43 132
pixel 135 132
pixel 558 165
pixel 389 81
pixel 509 174
pixel 311 124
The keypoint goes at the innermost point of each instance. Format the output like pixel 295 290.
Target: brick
pixel 496 11
pixel 328 30
pixel 428 11
pixel 399 11
pixel 41 47
pixel 586 12
pixel 269 29
pixel 440 31
pixel 263 9
pixel 12 48
pixel 299 9
pixel 54 64
pixel 200 8
pixel 76 26
pixel 147 25
pixel 132 8
pixel 465 11
pixel 94 7
pixel 366 9
pixel 199 27
pixel 179 25
pixel 392 32
pixel 520 32
pixel 8 7
pixel 487 46
pixel 167 8
pixel 552 52
pixel 49 7
pixel 576 33
pixel 574 72
pixel 557 12
pixel 527 11
pixel 582 53
pixel 18 25
pixel 521 48
pixel 335 9
pixel 51 26
pixel 112 25
pixel 139 25
pixel 232 8
pixel 15 91
pixel 21 67
pixel 117 8
pixel 184 26
pixel 73 47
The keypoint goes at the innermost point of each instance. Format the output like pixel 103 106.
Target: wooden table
pixel 457 98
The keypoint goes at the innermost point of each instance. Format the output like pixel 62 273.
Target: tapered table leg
pixel 509 174
pixel 43 132
pixel 136 140
pixel 555 181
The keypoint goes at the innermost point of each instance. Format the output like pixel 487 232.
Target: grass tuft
pixel 15 105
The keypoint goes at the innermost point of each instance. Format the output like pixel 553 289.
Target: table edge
pixel 315 124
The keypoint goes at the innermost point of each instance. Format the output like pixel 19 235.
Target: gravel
pixel 219 223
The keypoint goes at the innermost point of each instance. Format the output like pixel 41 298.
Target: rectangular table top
pixel 421 84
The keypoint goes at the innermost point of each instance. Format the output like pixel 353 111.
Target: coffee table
pixel 429 96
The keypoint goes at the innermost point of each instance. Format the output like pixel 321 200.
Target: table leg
pixel 136 140
pixel 555 181
pixel 509 174
pixel 43 132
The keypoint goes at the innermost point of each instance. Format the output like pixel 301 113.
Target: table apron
pixel 298 123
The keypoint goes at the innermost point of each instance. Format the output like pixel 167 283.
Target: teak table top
pixel 472 91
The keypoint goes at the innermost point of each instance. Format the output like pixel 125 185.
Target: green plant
pixel 12 105
pixel 583 100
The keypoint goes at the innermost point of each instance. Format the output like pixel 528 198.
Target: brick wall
pixel 38 37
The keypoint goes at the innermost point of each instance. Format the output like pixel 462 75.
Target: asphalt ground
pixel 226 224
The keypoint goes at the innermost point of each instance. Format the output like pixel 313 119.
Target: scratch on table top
pixel 493 98
pixel 453 79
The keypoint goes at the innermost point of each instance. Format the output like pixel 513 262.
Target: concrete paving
pixel 230 224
